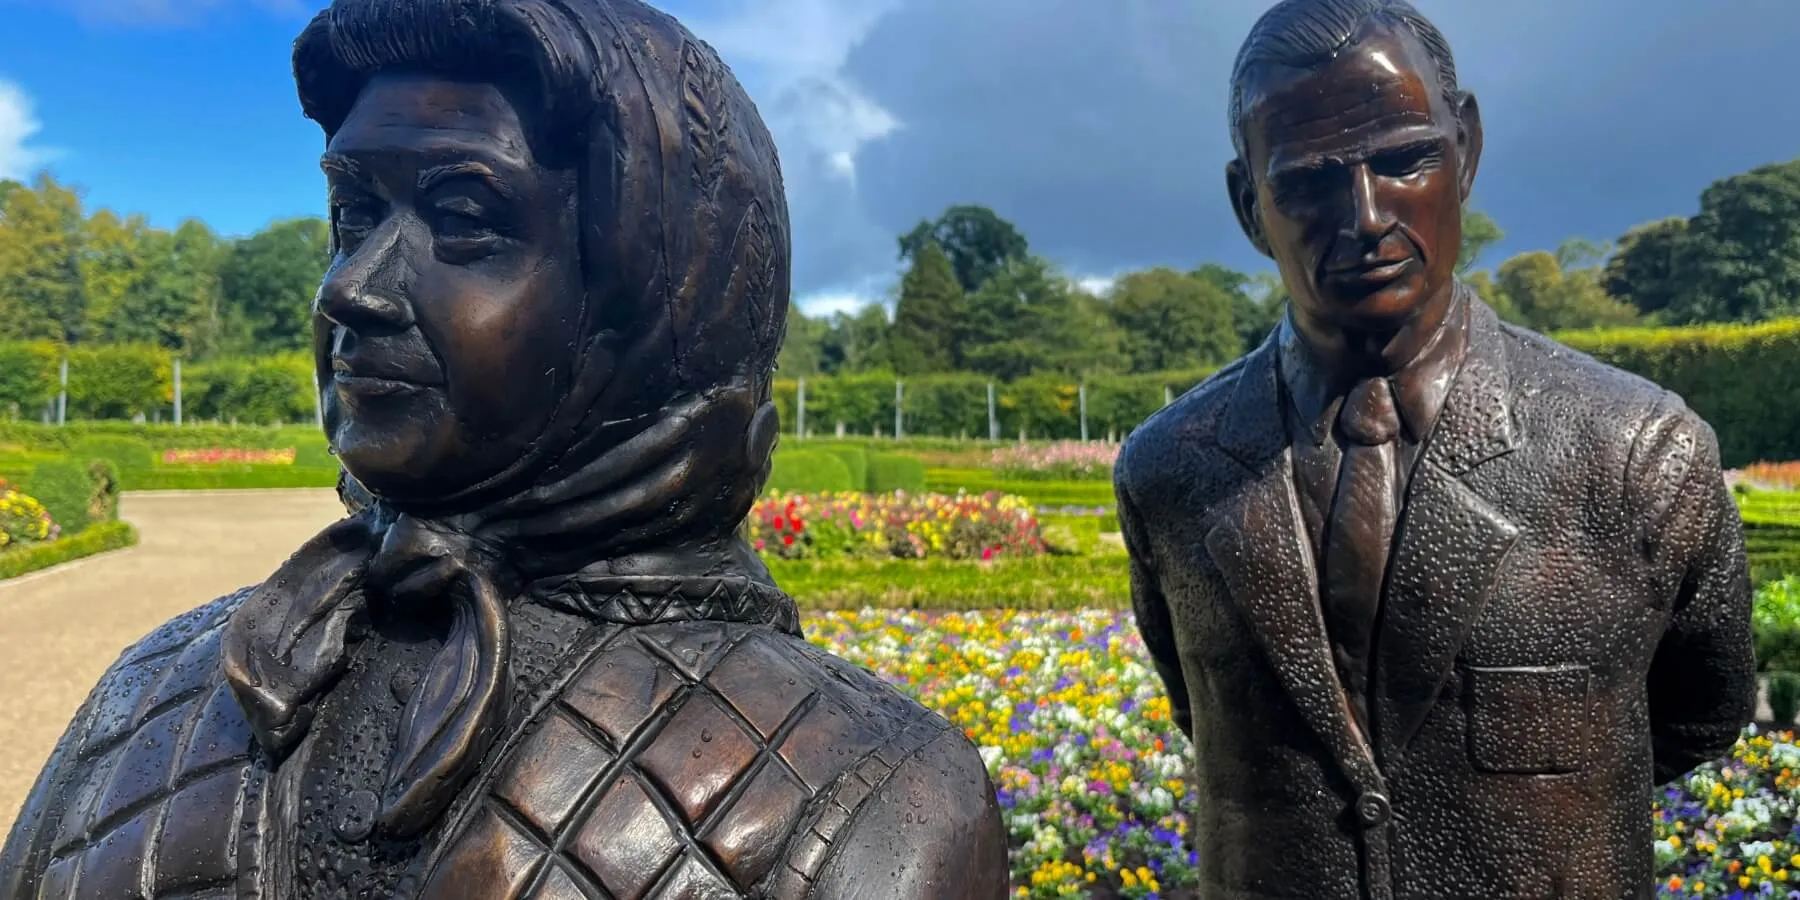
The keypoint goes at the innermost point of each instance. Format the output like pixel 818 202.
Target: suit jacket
pixel 674 758
pixel 1566 622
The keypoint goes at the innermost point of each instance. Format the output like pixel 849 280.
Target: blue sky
pixel 1098 127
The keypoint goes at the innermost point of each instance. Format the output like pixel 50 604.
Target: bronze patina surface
pixel 1438 599
pixel 536 658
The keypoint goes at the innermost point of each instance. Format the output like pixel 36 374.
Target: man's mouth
pixel 1372 273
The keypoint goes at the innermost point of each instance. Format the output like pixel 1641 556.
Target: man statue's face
pixel 446 326
pixel 1353 180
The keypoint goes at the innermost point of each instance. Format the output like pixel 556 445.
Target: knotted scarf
pixel 290 640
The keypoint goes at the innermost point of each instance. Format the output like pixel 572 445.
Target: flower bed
pixel 23 520
pixel 1094 777
pixel 1061 461
pixel 897 525
pixel 229 456
pixel 1773 476
pixel 1073 725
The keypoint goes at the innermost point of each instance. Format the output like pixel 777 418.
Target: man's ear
pixel 1468 140
pixel 1243 202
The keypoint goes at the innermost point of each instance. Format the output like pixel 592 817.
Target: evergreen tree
pixel 927 314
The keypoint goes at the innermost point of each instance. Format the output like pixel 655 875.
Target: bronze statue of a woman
pixel 537 659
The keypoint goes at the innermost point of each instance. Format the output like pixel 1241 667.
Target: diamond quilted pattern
pixel 193 670
pixel 77 816
pixel 692 880
pixel 695 648
pixel 626 841
pixel 558 884
pixel 552 771
pixel 631 685
pixel 145 764
pixel 781 684
pixel 115 866
pixel 748 846
pixel 492 851
pixel 199 838
pixel 698 754
pixel 220 733
pixel 116 710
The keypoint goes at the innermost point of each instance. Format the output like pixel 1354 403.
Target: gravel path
pixel 61 628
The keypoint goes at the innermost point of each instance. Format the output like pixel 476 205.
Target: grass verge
pixel 92 540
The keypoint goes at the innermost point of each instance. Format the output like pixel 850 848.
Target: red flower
pixel 779 523
pixel 787 539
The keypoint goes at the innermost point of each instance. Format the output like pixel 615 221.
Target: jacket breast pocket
pixel 1528 720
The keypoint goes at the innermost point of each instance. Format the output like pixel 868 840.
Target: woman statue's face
pixel 447 325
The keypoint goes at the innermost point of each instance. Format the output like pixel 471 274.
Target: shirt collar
pixel 1419 388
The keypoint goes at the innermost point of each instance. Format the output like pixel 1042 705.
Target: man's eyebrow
pixel 435 175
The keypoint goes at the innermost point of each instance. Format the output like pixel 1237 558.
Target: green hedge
pixel 1043 582
pixel 889 472
pixel 98 539
pixel 1040 493
pixel 809 472
pixel 1743 379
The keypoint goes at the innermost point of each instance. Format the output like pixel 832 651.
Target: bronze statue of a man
pixel 537 660
pixel 1438 600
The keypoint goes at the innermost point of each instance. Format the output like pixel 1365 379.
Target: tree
pixel 1029 319
pixel 927 314
pixel 1740 258
pixel 975 238
pixel 855 342
pixel 1479 232
pixel 1548 297
pixel 270 278
pixel 41 237
pixel 1175 320
pixel 1641 271
pixel 802 350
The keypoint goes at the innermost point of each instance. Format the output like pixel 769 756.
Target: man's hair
pixel 1304 33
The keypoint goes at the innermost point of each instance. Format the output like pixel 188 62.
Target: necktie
pixel 1361 529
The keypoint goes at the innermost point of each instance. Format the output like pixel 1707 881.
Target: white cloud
pixel 798 48
pixel 1097 285
pixel 827 303
pixel 18 125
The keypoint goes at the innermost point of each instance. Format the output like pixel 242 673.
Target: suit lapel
pixel 1259 546
pixel 1451 540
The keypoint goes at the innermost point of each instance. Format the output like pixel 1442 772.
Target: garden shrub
pixel 856 459
pixel 890 472
pixel 1784 697
pixel 808 471
pixel 1775 618
pixel 65 489
pixel 28 373
pixel 103 499
pixel 98 539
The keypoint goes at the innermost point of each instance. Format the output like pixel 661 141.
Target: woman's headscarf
pixel 665 433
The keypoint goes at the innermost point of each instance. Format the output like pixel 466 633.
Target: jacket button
pixel 1372 809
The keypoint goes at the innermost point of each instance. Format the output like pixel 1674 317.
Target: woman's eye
pixel 461 225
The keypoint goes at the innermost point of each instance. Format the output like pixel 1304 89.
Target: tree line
pixel 973 298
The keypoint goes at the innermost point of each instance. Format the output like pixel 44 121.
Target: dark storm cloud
pixel 1099 127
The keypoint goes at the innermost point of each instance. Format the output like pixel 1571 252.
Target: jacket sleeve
pixel 1148 605
pixel 931 831
pixel 1702 680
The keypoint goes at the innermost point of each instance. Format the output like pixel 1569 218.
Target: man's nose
pixel 1368 220
pixel 366 291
